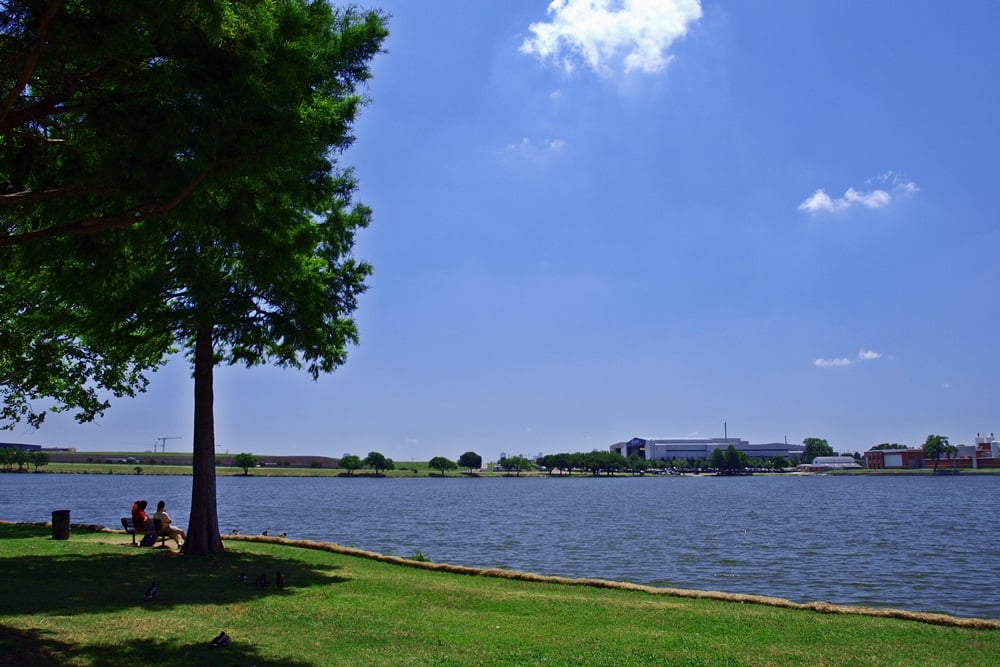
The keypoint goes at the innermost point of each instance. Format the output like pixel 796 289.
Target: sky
pixel 596 219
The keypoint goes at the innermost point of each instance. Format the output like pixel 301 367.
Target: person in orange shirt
pixel 139 516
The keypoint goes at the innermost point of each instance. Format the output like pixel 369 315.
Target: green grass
pixel 80 602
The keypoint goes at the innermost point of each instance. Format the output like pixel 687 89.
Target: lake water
pixel 913 542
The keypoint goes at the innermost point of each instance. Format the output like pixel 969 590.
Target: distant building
pixel 985 453
pixel 903 457
pixel 18 445
pixel 821 463
pixel 668 449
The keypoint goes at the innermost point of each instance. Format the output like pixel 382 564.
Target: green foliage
pixel 886 445
pixel 442 464
pixel 246 461
pixel 201 139
pixel 378 462
pixel 937 445
pixel 515 464
pixel 470 460
pixel 815 447
pixel 350 463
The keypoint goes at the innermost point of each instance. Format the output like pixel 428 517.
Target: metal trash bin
pixel 60 525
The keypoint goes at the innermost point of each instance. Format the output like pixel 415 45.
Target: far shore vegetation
pixel 340 606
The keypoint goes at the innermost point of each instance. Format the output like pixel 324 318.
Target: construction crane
pixel 162 440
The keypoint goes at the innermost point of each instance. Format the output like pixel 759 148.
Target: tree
pixel 815 447
pixel 470 460
pixel 378 462
pixel 886 445
pixel 934 446
pixel 248 267
pixel 350 463
pixel 779 462
pixel 38 459
pixel 515 464
pixel 718 459
pixel 245 461
pixel 442 464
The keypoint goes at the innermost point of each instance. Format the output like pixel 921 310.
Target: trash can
pixel 60 525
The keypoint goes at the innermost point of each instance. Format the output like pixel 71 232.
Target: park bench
pixel 151 527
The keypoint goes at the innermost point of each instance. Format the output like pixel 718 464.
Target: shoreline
pixel 818 606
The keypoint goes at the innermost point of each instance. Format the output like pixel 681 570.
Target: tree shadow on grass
pixel 40 649
pixel 94 580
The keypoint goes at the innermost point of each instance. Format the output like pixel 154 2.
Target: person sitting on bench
pixel 165 526
pixel 143 524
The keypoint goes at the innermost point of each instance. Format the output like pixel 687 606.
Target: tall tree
pixel 815 447
pixel 442 464
pixel 934 446
pixel 470 460
pixel 247 106
pixel 378 462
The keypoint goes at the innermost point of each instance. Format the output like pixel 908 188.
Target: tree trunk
pixel 203 529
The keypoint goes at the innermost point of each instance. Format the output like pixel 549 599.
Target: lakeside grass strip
pixel 818 606
pixel 821 607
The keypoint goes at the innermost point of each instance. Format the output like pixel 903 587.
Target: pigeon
pixel 243 577
pixel 264 533
pixel 152 591
pixel 262 581
pixel 222 640
pixel 235 532
pixel 283 535
pixel 279 579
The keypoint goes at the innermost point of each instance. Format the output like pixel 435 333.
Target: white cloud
pixel 832 363
pixel 599 32
pixel 526 148
pixel 821 202
pixel 863 355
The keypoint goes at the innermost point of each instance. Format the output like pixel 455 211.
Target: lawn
pixel 80 602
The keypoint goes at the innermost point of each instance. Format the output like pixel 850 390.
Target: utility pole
pixel 163 442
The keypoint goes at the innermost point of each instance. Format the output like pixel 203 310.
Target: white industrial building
pixel 668 449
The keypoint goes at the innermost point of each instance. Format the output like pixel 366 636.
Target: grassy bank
pixel 80 602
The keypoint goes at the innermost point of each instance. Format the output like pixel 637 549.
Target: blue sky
pixel 595 220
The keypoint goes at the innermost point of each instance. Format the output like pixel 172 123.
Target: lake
pixel 925 543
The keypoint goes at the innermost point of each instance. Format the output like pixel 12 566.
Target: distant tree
pixel 935 446
pixel 7 458
pixel 515 464
pixel 442 464
pixel 779 462
pixel 350 463
pixel 470 460
pixel 378 462
pixel 886 445
pixel 815 447
pixel 246 461
pixel 718 459
pixel 138 470
pixel 38 459
pixel 732 459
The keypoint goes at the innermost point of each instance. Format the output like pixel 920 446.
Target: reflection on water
pixel 922 543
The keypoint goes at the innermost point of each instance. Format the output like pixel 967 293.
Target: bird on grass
pixel 152 591
pixel 222 640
